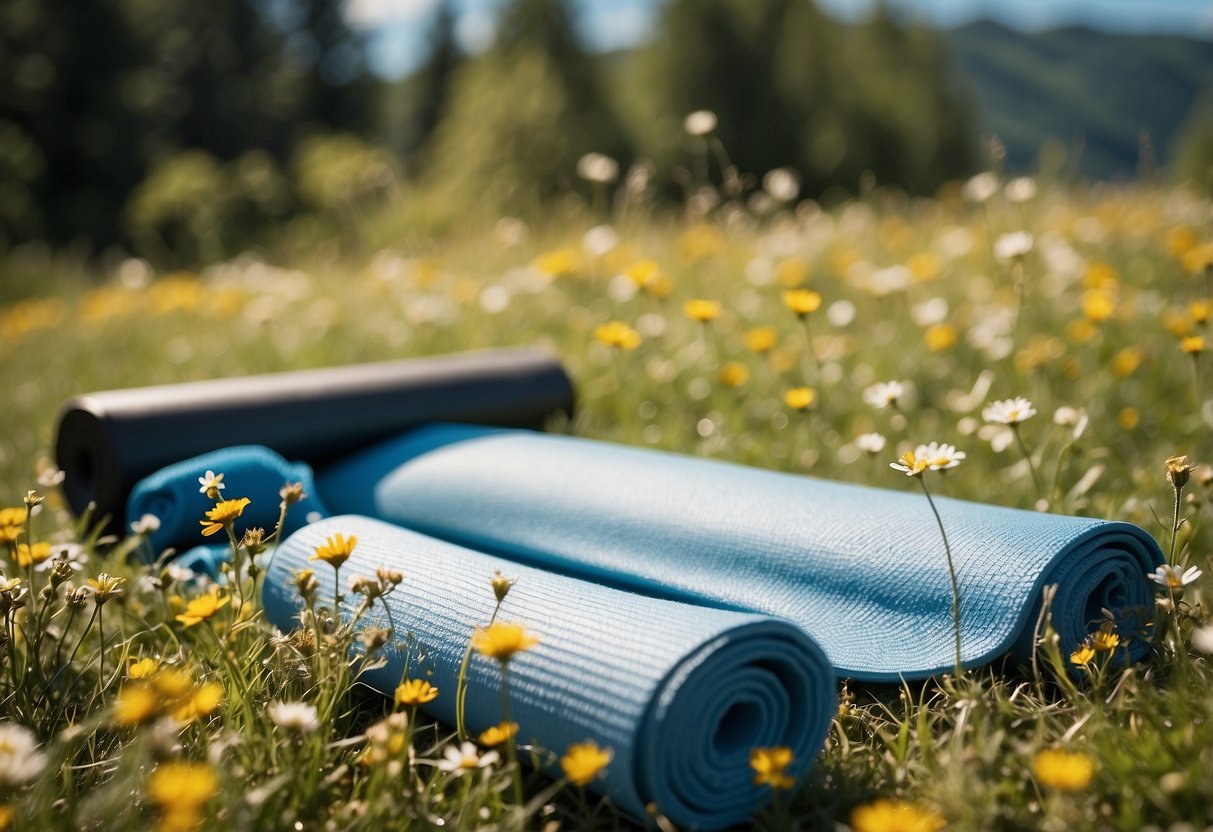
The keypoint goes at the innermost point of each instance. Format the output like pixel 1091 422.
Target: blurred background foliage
pixel 187 132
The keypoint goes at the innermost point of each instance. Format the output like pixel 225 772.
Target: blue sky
pixel 397 28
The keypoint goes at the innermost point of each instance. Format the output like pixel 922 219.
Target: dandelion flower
pixel 582 762
pixel 499 733
pixel 203 607
pixel 466 757
pixel 502 639
pixel 872 443
pixel 198 702
pixel 1084 655
pixel 1193 344
pixel 800 398
pixel 336 550
pixel 1174 576
pixel 617 334
pixel 299 717
pixel 28 555
pixel 734 374
pixel 884 394
pixel 211 484
pixel 182 787
pixel 802 301
pixel 1105 639
pixel 885 815
pixel 1009 411
pixel 223 515
pixel 415 692
pixel 142 668
pixel 761 339
pixel 20 759
pixel 1063 770
pixel 770 767
pixel 703 311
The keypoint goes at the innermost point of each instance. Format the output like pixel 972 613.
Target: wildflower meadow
pixel 1013 341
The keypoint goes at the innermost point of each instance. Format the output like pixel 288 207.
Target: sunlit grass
pixel 759 339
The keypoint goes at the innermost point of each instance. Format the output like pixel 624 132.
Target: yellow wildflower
pixel 885 815
pixel 1128 418
pixel 761 339
pixel 1081 330
pixel 924 266
pixel 181 786
pixel 203 607
pixel 12 516
pixel 1126 362
pixel 28 555
pixel 200 702
pixel 1085 654
pixel 699 242
pixel 559 263
pixel 1098 305
pixel 1193 344
pixel 617 334
pixel 172 684
pixel 6 816
pixel 1104 639
pixel 223 515
pixel 802 301
pixel 1100 275
pixel 940 337
pixel 1198 258
pixel 734 374
pixel 136 704
pixel 105 586
pixel 415 692
pixel 1180 241
pixel 502 639
pixel 1063 770
pixel 143 668
pixel 582 762
pixel 703 311
pixel 800 398
pixel 770 767
pixel 336 550
pixel 498 733
pixel 642 272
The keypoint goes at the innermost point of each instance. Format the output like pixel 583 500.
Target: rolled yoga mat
pixel 174 496
pixel 861 570
pixel 681 694
pixel 108 441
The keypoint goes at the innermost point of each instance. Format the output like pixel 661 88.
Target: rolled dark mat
pixel 108 441
pixel 861 570
pixel 680 694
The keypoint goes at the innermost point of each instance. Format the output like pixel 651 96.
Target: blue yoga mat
pixel 861 570
pixel 680 693
pixel 173 495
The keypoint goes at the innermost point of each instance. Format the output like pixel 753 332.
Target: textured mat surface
pixel 680 693
pixel 173 494
pixel 862 570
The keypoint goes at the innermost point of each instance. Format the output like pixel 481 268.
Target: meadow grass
pixel 1098 318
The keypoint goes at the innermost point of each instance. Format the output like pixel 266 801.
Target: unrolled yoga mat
pixel 175 497
pixel 681 694
pixel 108 441
pixel 862 570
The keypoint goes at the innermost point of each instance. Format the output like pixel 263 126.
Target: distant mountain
pixel 1095 92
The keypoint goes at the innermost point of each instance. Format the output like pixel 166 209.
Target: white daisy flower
pixel 872 443
pixel 1009 411
pixel 699 123
pixel 883 394
pixel 1013 246
pixel 147 524
pixel 211 482
pixel 20 759
pixel 1174 576
pixel 466 757
pixel 939 456
pixel 294 716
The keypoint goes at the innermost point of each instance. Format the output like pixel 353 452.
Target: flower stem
pixel 951 574
pixel 511 749
pixel 1175 524
pixel 1040 491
